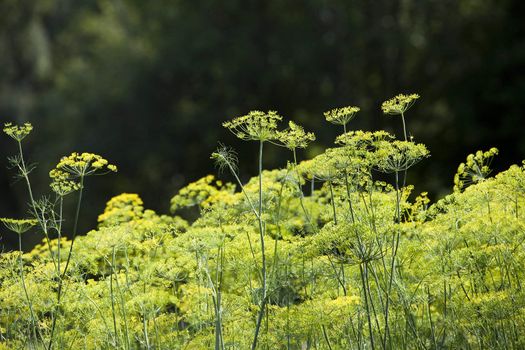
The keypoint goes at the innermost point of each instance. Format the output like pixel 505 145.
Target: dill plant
pixel 261 127
pixel 355 264
pixel 67 177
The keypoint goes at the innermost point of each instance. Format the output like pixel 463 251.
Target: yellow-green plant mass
pixel 334 252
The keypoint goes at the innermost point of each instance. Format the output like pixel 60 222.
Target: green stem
pixel 371 333
pixel 113 312
pixel 59 275
pixel 406 139
pixel 395 245
pixel 333 201
pixel 263 255
pixel 30 304
pixel 301 195
pixel 75 225
pixel 122 303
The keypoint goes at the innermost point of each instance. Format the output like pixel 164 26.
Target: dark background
pixel 147 84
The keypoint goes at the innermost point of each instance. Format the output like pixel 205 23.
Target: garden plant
pixel 332 252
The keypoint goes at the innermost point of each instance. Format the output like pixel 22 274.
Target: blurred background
pixel 147 84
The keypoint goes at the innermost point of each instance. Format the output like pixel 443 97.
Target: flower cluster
pixel 123 208
pixel 295 137
pixel 362 139
pixel 399 104
pixel 83 164
pixel 17 132
pixel 341 116
pixel 18 225
pixel 476 169
pixel 61 183
pixel 204 192
pixel 255 126
pixel 399 155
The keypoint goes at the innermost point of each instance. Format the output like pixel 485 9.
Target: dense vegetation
pixel 333 252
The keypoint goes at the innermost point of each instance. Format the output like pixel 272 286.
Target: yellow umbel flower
pixel 83 164
pixel 125 207
pixel 399 104
pixel 341 116
pixel 476 169
pixel 295 137
pixel 18 225
pixel 255 126
pixel 61 184
pixel 204 192
pixel 17 132
pixel 399 155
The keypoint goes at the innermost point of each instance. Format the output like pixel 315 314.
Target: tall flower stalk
pixel 293 138
pixel 261 127
pixel 69 175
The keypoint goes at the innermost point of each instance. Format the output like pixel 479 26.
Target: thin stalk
pixel 252 206
pixel 113 312
pixel 406 139
pixel 123 305
pixel 23 169
pixel 145 328
pixel 333 201
pixel 350 208
pixel 263 255
pixel 370 331
pixel 432 328
pixel 367 280
pixel 326 337
pixel 336 273
pixel 30 304
pixel 75 227
pixel 59 275
pixel 301 195
pixel 395 245
pixel 62 275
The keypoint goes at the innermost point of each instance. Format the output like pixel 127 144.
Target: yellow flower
pixel 399 104
pixel 83 164
pixel 295 137
pixel 256 125
pixel 341 116
pixel 18 225
pixel 17 132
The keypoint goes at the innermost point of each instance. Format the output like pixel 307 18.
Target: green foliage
pixel 328 253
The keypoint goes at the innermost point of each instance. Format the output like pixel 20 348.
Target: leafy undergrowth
pixel 348 263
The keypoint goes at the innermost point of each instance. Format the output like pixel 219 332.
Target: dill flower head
pixel 399 155
pixel 17 132
pixel 18 225
pixel 399 104
pixel 341 116
pixel 123 208
pixel 295 137
pixel 82 164
pixel 360 139
pixel 255 126
pixel 61 184
pixel 324 167
pixel 475 169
